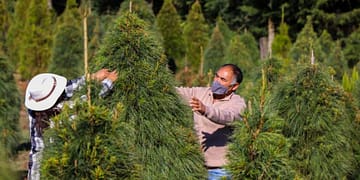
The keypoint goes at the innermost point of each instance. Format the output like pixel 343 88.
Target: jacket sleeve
pixel 185 93
pixel 227 114
pixel 76 84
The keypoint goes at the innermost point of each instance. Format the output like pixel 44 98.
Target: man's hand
pixel 197 105
pixel 100 75
pixel 112 75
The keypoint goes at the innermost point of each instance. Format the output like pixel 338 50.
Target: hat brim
pixel 49 101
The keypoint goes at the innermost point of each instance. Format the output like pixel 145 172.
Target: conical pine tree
pixel 215 51
pixel 196 35
pixel 169 25
pixel 67 49
pixel 225 30
pixel 306 43
pixel 336 60
pixel 238 53
pixel 16 33
pixel 320 121
pixel 35 48
pixel 258 149
pixel 251 44
pixel 9 107
pixel 163 125
pixel 89 143
pixel 282 43
pixel 351 49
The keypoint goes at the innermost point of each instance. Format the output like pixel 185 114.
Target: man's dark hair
pixel 236 70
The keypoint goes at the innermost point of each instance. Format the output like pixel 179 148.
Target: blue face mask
pixel 218 88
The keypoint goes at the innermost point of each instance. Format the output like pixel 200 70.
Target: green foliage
pixel 67 49
pixel 6 171
pixel 259 150
pixel 16 31
pixel 89 143
pixel 5 15
pixel 146 87
pixel 238 53
pixel 319 121
pixel 196 36
pixel 351 49
pixel 215 51
pixel 35 47
pixel 282 43
pixel 336 60
pixel 140 7
pixel 306 43
pixel 169 24
pixel 9 107
pixel 225 30
pixel 251 44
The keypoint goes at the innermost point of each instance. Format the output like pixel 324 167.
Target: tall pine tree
pixel 169 25
pixel 306 43
pixel 215 51
pixel 163 137
pixel 196 33
pixel 320 122
pixel 67 48
pixel 16 33
pixel 35 47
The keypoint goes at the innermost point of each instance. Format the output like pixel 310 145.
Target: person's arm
pixel 75 84
pixel 185 92
pixel 225 115
pixel 108 84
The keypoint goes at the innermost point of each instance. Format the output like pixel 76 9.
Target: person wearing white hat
pixel 43 99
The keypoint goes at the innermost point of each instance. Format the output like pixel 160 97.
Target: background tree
pixel 5 15
pixel 35 47
pixel 336 61
pixel 9 107
pixel 351 49
pixel 16 31
pixel 282 43
pixel 251 44
pixel 169 25
pixel 67 48
pixel 215 51
pixel 146 87
pixel 196 36
pixel 319 121
pixel 225 30
pixel 306 43
pixel 6 171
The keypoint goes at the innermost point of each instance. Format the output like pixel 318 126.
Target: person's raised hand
pixel 100 75
pixel 197 106
pixel 113 75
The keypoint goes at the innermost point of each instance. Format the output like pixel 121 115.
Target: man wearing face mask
pixel 215 108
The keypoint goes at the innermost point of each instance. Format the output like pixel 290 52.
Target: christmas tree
pixel 163 136
pixel 258 149
pixel 320 122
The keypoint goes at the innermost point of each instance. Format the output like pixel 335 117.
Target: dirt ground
pixel 21 160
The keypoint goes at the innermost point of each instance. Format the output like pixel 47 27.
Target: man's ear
pixel 235 86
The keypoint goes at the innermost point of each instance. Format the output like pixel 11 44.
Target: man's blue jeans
pixel 218 174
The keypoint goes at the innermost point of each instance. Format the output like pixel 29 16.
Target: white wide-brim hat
pixel 43 91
